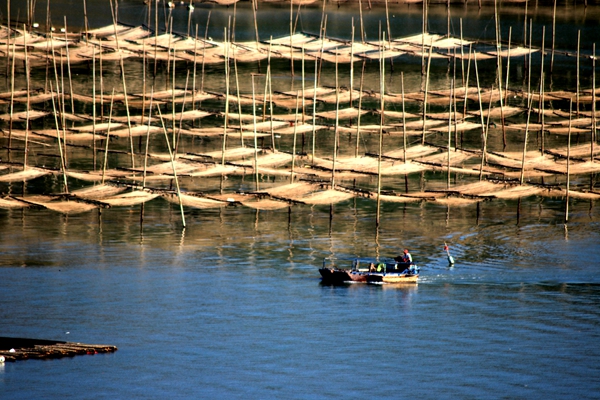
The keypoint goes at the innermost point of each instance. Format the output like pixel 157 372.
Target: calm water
pixel 233 307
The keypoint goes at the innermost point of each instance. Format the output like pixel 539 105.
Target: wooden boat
pixel 375 271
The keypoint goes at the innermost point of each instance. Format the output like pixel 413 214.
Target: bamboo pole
pixel 521 179
pixel 148 137
pixel 239 97
pixel 553 37
pixel 382 105
pixel 337 125
pixel 27 83
pixel 462 58
pixel 389 33
pixel 12 96
pixel 524 23
pixel 578 86
pixel 450 129
pixel 172 164
pixel 271 95
pixel 255 23
pixel 69 68
pixel 362 28
pixel 423 33
pixel 124 87
pixel 180 128
pixel 403 117
pixel 85 20
pixel 156 39
pixel 255 134
pixel 101 87
pixel 291 40
pixel 60 150
pixel 94 104
pixel 295 133
pixel 542 112
pixel 323 34
pixel 8 66
pixel 204 53
pixel 507 65
pixel 316 79
pixel 568 163
pixel 360 96
pixel 112 96
pixel 173 96
pixel 425 97
pixel 499 68
pixel 484 135
pixel 483 130
pixel 466 82
pixel 304 97
pixel 195 69
pixel 226 55
pixel 351 64
pixel 594 125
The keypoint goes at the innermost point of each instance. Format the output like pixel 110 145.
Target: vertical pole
pixel 568 164
pixel 382 105
pixel 450 130
pixel 255 134
pixel 553 37
pixel 403 116
pixel 226 55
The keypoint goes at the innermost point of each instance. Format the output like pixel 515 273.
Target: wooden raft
pixel 13 349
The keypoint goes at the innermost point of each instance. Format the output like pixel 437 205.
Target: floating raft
pixel 13 349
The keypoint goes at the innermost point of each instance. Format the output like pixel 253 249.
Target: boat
pixel 368 270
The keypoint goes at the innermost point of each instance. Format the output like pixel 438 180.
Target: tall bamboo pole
pixel 255 133
pixel 69 68
pixel 112 97
pixel 553 37
pixel 593 138
pixel 148 137
pixel 483 129
pixel 403 117
pixel 291 40
pixel 382 105
pixel 578 55
pixel 499 69
pixel 226 55
pixel 360 96
pixel 172 165
pixel 362 28
pixel 568 163
pixel 94 104
pixel 295 133
pixel 60 150
pixel 124 88
pixel 12 95
pixel 27 83
pixel 423 33
pixel 337 125
pixel 425 96
pixel 450 129
pixel 507 65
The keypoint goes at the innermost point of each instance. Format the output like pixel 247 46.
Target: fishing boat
pixel 367 270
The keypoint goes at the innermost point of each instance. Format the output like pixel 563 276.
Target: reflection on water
pixel 234 305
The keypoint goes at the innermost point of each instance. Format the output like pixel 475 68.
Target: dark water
pixel 233 307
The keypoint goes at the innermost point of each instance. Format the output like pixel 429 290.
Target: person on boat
pixel 404 258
